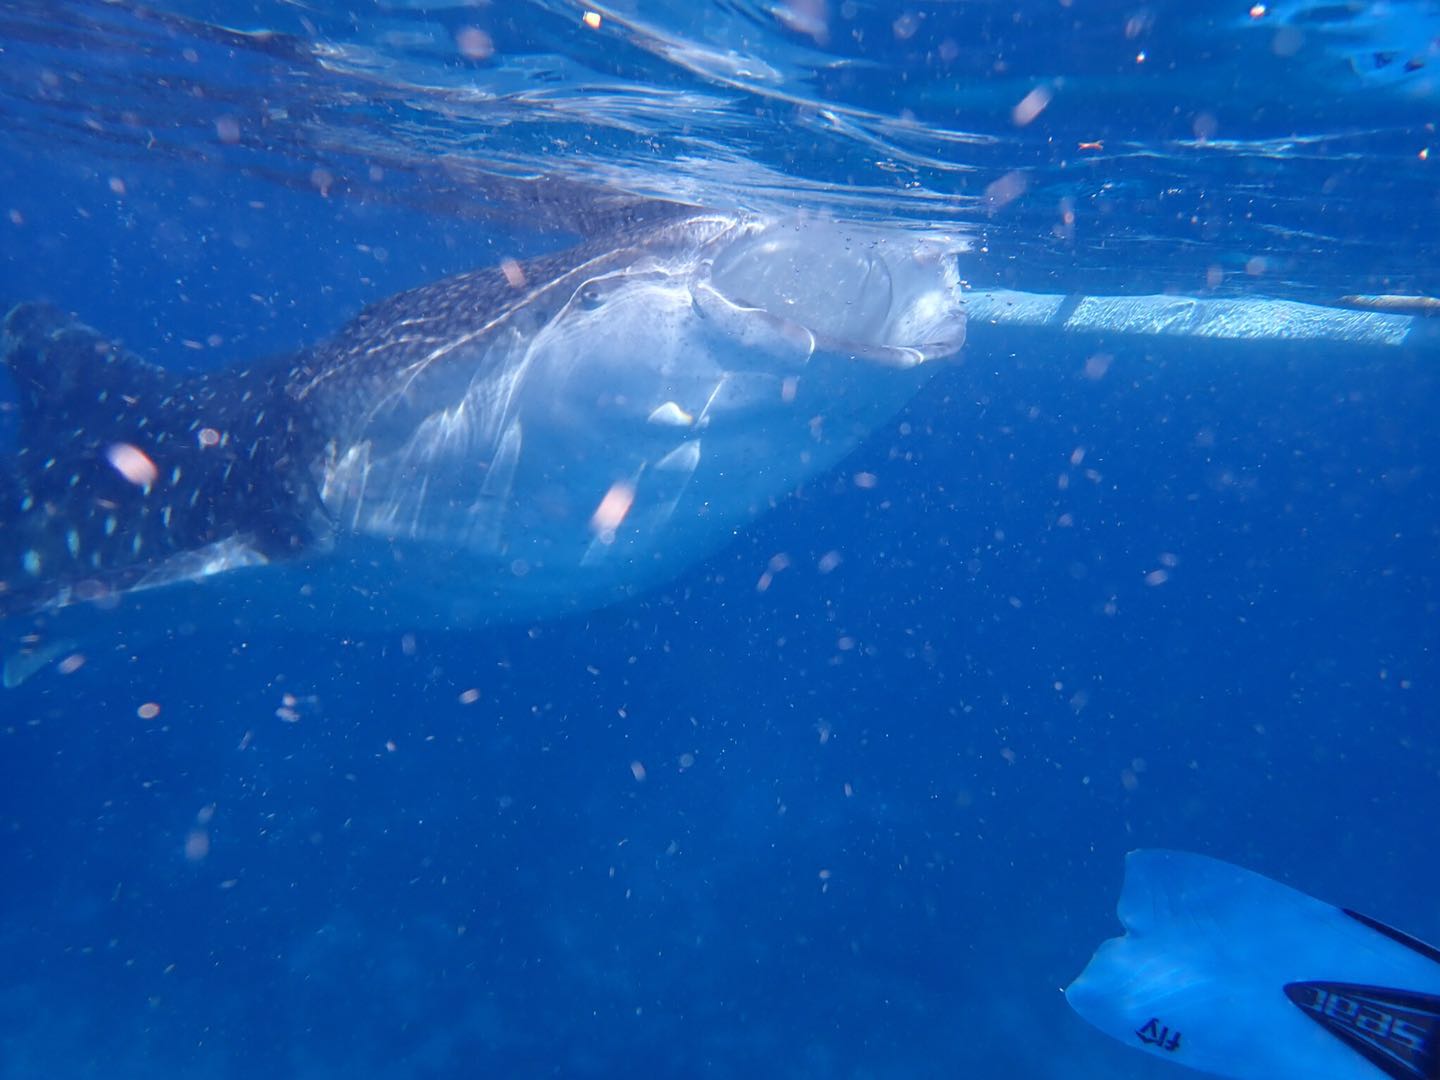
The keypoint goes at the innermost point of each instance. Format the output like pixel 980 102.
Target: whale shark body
pixel 507 444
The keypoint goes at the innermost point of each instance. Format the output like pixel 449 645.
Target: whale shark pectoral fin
pixel 234 553
pixel 30 657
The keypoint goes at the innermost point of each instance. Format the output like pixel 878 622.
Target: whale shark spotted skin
pixel 510 443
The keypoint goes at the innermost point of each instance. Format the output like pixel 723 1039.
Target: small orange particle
pixel 475 44
pixel 148 711
pixel 591 19
pixel 612 510
pixel 197 845
pixel 1030 106
pixel 132 463
pixel 514 274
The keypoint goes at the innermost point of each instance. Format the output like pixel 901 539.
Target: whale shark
pixel 511 443
pixel 531 439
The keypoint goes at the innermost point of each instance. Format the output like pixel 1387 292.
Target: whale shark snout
pixel 493 445
pixel 865 291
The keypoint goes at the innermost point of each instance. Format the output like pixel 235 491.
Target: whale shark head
pixel 618 421
pixel 507 443
pixel 732 338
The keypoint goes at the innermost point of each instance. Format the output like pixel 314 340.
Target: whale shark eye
pixel 591 295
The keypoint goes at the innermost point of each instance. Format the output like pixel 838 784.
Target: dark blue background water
pixel 861 823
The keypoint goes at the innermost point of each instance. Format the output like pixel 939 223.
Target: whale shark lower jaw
pixel 505 443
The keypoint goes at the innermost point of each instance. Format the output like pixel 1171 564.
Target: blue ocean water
pixel 864 822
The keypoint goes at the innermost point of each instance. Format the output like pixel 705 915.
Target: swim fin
pixel 1231 973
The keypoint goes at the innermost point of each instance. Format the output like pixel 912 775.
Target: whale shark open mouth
pixel 849 292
